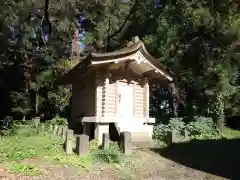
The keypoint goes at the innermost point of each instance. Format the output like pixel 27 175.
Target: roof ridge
pixel 131 46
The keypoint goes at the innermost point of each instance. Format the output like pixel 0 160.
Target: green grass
pixel 26 169
pixel 28 143
pixel 230 133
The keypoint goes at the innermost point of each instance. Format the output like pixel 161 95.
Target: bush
pixel 27 169
pixel 198 127
pixel 7 126
pixel 94 144
pixel 111 155
pixel 58 121
pixel 160 131
pixel 202 126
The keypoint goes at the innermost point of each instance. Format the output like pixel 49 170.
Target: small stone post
pixel 51 128
pixel 55 129
pixel 82 144
pixel 59 131
pixel 63 133
pixel 68 142
pixel 36 121
pixel 186 134
pixel 125 142
pixel 171 137
pixel 106 141
pixel 42 127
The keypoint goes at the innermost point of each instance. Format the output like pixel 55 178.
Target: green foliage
pixel 59 99
pixel 72 160
pixel 26 144
pixel 23 103
pixel 203 127
pixel 111 155
pixel 26 169
pixel 230 133
pixel 218 111
pixel 58 121
pixel 7 127
pixel 197 127
pixel 160 131
pixel 197 40
pixel 94 144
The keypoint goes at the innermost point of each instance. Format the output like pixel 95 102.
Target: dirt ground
pixel 142 165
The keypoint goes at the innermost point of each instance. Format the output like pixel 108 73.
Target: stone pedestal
pixel 126 143
pixel 59 131
pixel 186 134
pixel 68 142
pixel 36 121
pixel 82 144
pixel 106 141
pixel 55 129
pixel 42 127
pixel 171 137
pixel 63 133
pixel 51 128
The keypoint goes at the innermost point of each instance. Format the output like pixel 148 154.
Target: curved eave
pixel 130 53
pixel 122 52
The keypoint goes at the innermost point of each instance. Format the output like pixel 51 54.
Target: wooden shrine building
pixel 111 90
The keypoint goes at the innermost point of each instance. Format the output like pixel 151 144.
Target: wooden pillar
pixel 146 98
pixel 105 96
pixel 134 99
pixel 117 100
pixel 98 96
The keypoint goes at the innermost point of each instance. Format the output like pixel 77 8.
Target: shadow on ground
pixel 218 157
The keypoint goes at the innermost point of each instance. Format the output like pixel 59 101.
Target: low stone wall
pixel 82 141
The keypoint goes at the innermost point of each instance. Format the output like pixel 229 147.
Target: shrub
pixel 111 155
pixel 7 126
pixel 94 144
pixel 160 131
pixel 58 121
pixel 202 126
pixel 72 160
pixel 199 127
pixel 27 169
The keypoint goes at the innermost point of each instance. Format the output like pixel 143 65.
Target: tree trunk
pixel 36 104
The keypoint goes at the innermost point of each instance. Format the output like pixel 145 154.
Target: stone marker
pixel 186 134
pixel 63 133
pixel 171 137
pixel 106 141
pixel 42 127
pixel 55 129
pixel 126 142
pixel 51 128
pixel 82 144
pixel 36 121
pixel 59 131
pixel 68 142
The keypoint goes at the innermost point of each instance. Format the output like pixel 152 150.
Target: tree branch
pixel 46 14
pixel 125 21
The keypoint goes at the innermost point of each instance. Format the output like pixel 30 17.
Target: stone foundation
pixel 140 131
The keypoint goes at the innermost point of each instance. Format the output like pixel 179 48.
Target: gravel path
pixel 143 165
